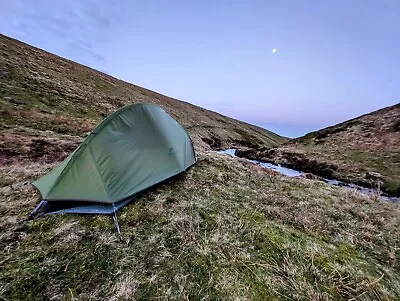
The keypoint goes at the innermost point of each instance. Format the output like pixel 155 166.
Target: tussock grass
pixel 365 144
pixel 226 230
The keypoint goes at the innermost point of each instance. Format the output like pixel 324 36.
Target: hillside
pixel 40 91
pixel 364 150
pixel 225 230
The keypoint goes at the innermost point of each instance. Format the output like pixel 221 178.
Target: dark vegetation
pixel 289 159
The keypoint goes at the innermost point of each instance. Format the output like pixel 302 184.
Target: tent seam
pixel 98 173
pixel 82 147
pixel 63 171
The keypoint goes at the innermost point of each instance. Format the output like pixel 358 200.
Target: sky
pixel 292 66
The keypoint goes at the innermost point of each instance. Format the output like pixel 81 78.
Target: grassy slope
pixel 41 91
pixel 364 150
pixel 364 144
pixel 225 230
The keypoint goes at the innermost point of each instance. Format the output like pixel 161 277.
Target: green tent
pixel 133 149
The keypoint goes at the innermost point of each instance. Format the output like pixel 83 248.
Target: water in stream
pixel 295 173
pixel 278 168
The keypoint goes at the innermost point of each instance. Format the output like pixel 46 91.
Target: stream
pixel 295 173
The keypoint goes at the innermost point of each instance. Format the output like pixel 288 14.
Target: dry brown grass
pixel 364 151
pixel 370 143
pixel 225 230
pixel 45 92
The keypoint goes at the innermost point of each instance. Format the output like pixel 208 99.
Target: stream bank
pixel 325 174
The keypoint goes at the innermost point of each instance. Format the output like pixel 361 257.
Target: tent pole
pixel 116 224
pixel 33 214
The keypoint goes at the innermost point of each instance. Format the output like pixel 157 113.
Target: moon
pixel 274 50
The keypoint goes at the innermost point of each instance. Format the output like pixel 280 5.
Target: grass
pixel 226 230
pixel 45 92
pixel 370 143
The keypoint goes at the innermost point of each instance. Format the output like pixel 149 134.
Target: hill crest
pixel 43 92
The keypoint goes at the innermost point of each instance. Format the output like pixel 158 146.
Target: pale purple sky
pixel 334 60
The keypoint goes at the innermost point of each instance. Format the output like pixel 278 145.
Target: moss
pixel 392 187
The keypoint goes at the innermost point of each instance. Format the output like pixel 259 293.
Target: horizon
pixel 290 69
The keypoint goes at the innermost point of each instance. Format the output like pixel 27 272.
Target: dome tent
pixel 133 149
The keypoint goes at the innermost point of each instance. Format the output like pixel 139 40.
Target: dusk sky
pixel 333 60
